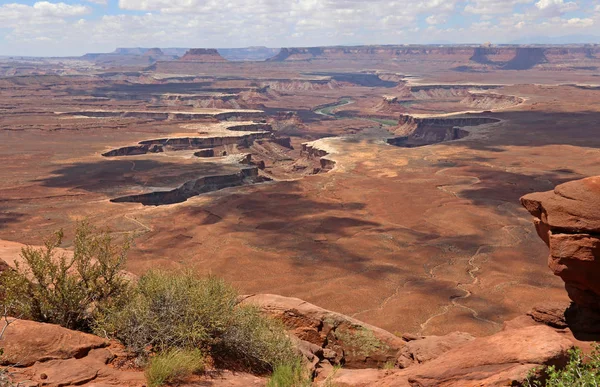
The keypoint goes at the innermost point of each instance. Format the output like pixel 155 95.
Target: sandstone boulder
pixel 551 314
pixel 347 341
pixel 26 342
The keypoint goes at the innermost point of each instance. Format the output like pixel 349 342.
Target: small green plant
pixel 291 374
pixel 173 365
pixel 580 371
pixel 390 365
pixel 361 341
pixel 54 287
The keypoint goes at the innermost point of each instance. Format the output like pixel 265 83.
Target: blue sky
pixel 74 27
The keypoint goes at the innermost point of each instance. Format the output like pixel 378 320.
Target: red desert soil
pixel 426 240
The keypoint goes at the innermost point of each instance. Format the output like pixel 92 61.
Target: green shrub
pixel 171 311
pixel 182 310
pixel 580 371
pixel 55 288
pixel 290 374
pixel 259 342
pixel 173 365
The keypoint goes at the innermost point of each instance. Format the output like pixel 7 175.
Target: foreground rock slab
pixel 498 360
pixel 27 342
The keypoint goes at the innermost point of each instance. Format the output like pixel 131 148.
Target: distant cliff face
pixel 203 55
pixel 504 57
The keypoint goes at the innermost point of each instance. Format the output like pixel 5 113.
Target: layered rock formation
pixel 507 57
pixel 419 131
pixel 203 55
pixel 568 220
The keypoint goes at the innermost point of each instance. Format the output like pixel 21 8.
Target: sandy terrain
pixel 428 239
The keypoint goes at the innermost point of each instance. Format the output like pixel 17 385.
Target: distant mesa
pixel 203 55
pixel 154 52
pixel 526 58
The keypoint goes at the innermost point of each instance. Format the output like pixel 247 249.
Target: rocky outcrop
pixel 203 55
pixel 490 101
pixel 343 340
pixel 503 359
pixel 421 131
pixel 568 221
pixel 424 349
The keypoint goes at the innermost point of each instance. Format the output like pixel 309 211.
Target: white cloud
pixel 580 23
pixel 487 7
pixel 436 19
pixel 58 28
pixel 20 15
pixel 556 7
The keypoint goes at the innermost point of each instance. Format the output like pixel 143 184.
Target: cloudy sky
pixel 74 27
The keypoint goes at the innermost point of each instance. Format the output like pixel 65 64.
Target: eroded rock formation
pixel 343 339
pixel 196 187
pixel 568 221
pixel 419 131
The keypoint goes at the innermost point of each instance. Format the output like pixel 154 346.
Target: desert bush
pixel 53 287
pixel 171 311
pixel 580 371
pixel 290 374
pixel 182 310
pixel 173 365
pixel 261 343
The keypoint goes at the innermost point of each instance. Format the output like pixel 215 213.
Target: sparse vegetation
pixel 581 371
pixel 173 365
pixel 361 341
pixel 54 287
pixel 181 310
pixel 291 374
